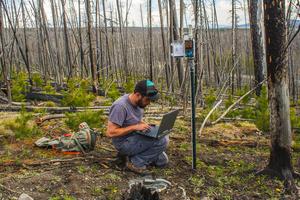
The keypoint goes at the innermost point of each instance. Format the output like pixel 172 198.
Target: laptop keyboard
pixel 150 132
pixel 147 131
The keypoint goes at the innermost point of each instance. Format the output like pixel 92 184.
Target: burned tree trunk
pixel 82 67
pixel 98 41
pixel 175 33
pixel 57 46
pixel 163 38
pixel 108 62
pixel 66 38
pixel 280 162
pixel 233 48
pixel 25 35
pixel 124 51
pixel 89 30
pixel 150 42
pixel 17 40
pixel 5 70
pixel 257 48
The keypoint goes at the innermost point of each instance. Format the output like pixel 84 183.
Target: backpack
pixel 82 141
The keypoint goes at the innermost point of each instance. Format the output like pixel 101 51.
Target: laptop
pixel 165 127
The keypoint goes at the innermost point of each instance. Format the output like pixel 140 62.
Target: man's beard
pixel 140 103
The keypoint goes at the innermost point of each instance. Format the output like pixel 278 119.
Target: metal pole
pixel 192 73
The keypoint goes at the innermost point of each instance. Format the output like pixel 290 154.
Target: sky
pixel 223 8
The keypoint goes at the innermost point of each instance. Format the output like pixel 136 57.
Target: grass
pixel 184 146
pixel 111 191
pixel 197 181
pixel 64 197
pixel 97 191
pixel 112 176
pixel 228 172
pixel 82 169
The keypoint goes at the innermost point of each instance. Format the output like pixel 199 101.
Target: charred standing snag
pixel 256 39
pixel 280 161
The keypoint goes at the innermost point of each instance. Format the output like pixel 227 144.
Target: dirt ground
pixel 228 156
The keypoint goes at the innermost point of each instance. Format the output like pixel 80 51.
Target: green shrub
pixel 113 92
pixel 50 104
pixel 77 96
pixel 210 99
pixel 229 101
pixel 295 120
pixel 247 113
pixel 108 102
pixel 37 80
pixel 95 119
pixel 20 86
pixel 243 91
pixel 203 113
pixel 262 119
pixel 49 89
pixel 21 126
pixel 129 85
pixel 233 112
pixel 111 89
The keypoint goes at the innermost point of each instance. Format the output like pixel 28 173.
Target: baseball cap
pixel 147 88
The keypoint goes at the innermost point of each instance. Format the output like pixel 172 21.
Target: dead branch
pixel 225 119
pixel 236 102
pixel 107 149
pixel 2 187
pixel 206 118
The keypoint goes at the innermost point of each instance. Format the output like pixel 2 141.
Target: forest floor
pixel 228 155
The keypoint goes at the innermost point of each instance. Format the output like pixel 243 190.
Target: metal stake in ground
pixel 189 53
pixel 193 122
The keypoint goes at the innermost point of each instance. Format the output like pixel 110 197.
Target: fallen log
pixel 44 97
pixel 57 110
pixel 41 120
pixel 51 109
pixel 4 100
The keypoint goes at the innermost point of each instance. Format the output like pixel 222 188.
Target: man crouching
pixel 125 117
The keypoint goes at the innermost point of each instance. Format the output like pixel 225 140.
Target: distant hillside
pixel 247 26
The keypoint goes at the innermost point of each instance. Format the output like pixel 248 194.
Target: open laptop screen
pixel 168 121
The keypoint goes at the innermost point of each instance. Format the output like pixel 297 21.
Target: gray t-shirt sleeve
pixel 117 114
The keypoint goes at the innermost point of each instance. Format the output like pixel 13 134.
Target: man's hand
pixel 142 126
pixel 114 130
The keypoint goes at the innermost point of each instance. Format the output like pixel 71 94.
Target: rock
pixel 24 196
